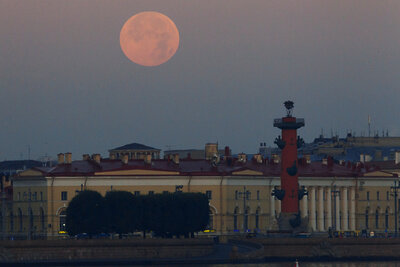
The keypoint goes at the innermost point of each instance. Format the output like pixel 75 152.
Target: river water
pixel 316 264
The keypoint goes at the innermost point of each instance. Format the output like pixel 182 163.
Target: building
pixel 343 196
pixel 210 150
pixel 134 151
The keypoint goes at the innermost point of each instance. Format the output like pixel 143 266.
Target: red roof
pixel 199 167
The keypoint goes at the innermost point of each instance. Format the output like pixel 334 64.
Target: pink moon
pixel 149 38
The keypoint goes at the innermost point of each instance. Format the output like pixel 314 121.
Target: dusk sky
pixel 66 85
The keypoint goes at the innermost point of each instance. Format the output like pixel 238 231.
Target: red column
pixel 289 183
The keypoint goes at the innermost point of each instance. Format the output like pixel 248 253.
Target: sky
pixel 66 86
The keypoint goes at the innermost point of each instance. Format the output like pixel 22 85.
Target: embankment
pixel 330 249
pixel 76 250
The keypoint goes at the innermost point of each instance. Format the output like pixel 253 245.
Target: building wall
pixel 344 203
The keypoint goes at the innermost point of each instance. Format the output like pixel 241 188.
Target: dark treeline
pixel 167 214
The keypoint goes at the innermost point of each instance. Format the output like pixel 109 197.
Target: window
pixel 42 224
pixel 63 220
pixel 368 195
pixel 64 195
pixel 248 194
pixel 20 222
pixel 377 219
pixel 366 219
pixel 257 218
pixel 151 192
pixel 19 196
pixel 387 218
pixel 35 196
pixel 41 195
pixel 30 219
pixel 137 193
pixel 377 195
pixel 258 196
pixel 236 194
pixel 235 225
pixel 209 194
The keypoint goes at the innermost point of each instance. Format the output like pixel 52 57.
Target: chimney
pixel 147 159
pixel 242 157
pixel 227 151
pixel 397 157
pixel 276 159
pixel 60 157
pixel 362 157
pixel 68 158
pixel 308 158
pixel 258 158
pixel 175 158
pixel 96 157
pixel 124 159
pixel 85 157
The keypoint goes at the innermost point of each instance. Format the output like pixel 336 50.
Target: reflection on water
pixel 316 264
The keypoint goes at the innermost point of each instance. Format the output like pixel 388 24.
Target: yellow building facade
pixel 239 191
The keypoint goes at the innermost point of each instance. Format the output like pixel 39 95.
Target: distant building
pixel 210 150
pixel 352 148
pixel 134 151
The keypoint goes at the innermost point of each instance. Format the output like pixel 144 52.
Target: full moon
pixel 149 38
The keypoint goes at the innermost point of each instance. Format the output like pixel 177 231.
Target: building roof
pixel 135 146
pixel 199 167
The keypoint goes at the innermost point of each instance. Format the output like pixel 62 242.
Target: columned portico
pixel 312 209
pixel 352 209
pixel 344 209
pixel 328 218
pixel 337 212
pixel 321 209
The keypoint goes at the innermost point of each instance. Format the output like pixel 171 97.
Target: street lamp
pixel 394 190
pixel 245 195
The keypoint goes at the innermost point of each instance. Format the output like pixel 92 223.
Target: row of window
pixel 31 196
pixel 338 195
pixel 64 194
pixel 238 195
pixel 246 194
pixel 378 196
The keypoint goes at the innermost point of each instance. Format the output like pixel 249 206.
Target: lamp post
pixel 334 193
pixel 394 190
pixel 245 195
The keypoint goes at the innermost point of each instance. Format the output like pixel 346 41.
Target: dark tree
pixel 122 212
pixel 85 214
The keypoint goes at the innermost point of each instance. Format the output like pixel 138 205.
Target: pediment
pixel 247 172
pixel 137 172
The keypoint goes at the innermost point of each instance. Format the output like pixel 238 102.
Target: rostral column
pixel 289 192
